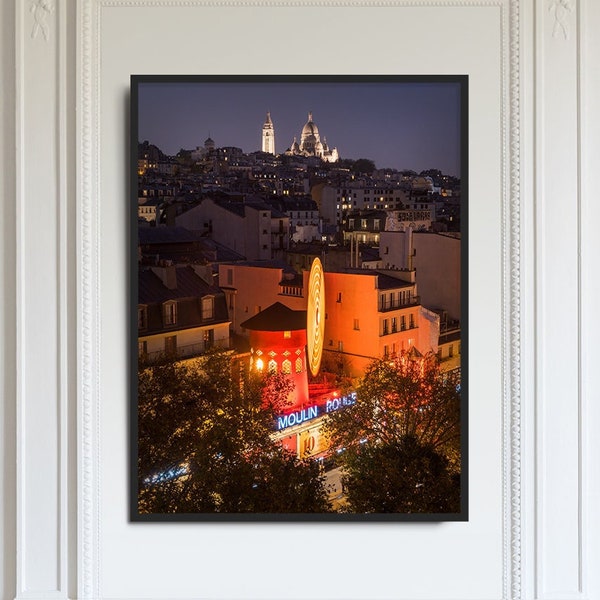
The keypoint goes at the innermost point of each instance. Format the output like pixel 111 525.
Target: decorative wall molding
pixel 41 10
pixel 45 377
pixel 561 10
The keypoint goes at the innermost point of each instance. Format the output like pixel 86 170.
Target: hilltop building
pixel 311 144
pixel 268 136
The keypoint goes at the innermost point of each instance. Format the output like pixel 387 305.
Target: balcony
pixel 386 305
pixel 181 352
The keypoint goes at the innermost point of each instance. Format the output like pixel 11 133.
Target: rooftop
pixel 152 290
pixel 276 317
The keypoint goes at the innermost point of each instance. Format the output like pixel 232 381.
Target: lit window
pixel 171 345
pixel 287 334
pixel 208 308
pixel 170 313
pixel 298 365
pixel 286 367
pixel 272 366
pixel 209 338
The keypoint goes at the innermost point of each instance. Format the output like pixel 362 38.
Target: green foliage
pixel 400 477
pixel 401 438
pixel 363 165
pixel 212 434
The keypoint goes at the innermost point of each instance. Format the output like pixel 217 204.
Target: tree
pixel 404 476
pixel 205 443
pixel 363 165
pixel 404 429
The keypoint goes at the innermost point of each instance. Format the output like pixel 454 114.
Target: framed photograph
pixel 299 267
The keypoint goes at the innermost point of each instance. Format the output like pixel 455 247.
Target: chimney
pixel 167 274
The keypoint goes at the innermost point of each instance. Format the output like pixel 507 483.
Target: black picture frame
pixel 137 83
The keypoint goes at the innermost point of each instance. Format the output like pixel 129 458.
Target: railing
pixel 386 305
pixel 390 330
pixel 188 351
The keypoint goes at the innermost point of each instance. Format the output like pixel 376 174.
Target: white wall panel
pixel 558 400
pixel 589 132
pixel 42 366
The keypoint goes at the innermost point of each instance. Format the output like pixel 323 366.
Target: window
pixel 171 345
pixel 394 324
pixel 142 316
pixel 142 349
pixel 287 335
pixel 363 223
pixel 450 351
pixel 170 313
pixel 298 365
pixel 272 367
pixel 208 308
pixel 386 351
pixel 402 323
pixel 376 223
pixel 339 297
pixel 209 338
pixel 350 223
pixel 385 327
pixel 411 321
pixel 286 367
pixel 356 324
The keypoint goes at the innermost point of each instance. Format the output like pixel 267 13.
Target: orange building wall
pixel 362 341
pixel 250 289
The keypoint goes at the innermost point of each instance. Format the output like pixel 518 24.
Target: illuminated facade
pixel 180 314
pixel 278 345
pixel 311 144
pixel 268 136
pixel 374 315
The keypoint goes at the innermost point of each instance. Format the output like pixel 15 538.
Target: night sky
pixel 401 125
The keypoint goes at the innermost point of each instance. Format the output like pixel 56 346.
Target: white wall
pixel 62 308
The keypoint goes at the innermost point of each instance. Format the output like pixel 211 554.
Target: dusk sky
pixel 398 125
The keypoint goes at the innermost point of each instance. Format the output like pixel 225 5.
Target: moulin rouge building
pixel 290 342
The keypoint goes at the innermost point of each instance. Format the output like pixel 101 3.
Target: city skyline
pixel 399 124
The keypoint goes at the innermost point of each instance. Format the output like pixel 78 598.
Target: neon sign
pixel 312 412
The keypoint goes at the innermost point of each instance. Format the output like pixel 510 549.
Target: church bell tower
pixel 268 136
